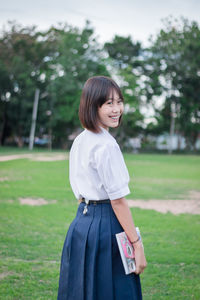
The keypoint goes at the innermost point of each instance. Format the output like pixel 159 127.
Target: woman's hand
pixel 140 260
pixel 123 214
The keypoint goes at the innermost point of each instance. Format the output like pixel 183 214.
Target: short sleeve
pixel 112 170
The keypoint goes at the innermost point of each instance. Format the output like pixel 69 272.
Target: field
pixel 31 237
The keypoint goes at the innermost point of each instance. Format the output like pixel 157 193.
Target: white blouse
pixel 96 167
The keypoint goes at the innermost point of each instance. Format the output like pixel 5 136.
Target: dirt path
pixel 35 201
pixel 176 207
pixel 36 156
pixel 191 205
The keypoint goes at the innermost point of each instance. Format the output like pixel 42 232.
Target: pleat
pixel 91 254
pixel 104 260
pixel 71 283
pixel 77 257
pixel 65 260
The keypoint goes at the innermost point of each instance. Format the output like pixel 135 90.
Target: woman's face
pixel 110 112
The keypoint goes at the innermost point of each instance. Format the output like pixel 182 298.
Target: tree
pixel 172 71
pixel 58 62
pixel 22 59
pixel 78 57
pixel 123 51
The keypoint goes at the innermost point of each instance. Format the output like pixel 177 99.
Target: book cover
pixel 127 251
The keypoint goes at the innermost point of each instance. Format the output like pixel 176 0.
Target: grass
pixel 31 238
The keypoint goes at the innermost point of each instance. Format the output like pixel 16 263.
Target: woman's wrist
pixel 137 243
pixel 134 242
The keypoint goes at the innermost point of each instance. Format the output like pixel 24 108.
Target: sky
pixel 139 19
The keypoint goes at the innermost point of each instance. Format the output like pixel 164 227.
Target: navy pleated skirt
pixel 91 266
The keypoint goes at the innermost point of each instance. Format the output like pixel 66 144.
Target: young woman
pixel 91 265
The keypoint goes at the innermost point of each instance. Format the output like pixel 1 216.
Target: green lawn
pixel 32 236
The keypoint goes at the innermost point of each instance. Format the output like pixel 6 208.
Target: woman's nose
pixel 116 108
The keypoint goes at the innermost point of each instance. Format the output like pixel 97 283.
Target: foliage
pixel 171 67
pixel 78 57
pixel 123 51
pixel 57 62
pixel 21 59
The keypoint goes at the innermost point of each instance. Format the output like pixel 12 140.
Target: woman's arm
pixel 123 214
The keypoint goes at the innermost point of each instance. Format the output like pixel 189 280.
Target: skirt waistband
pixel 94 201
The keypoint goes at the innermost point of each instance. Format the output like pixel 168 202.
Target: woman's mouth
pixel 115 117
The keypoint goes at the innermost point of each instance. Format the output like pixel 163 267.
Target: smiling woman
pixel 91 265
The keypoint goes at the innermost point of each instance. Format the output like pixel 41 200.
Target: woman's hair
pixel 96 92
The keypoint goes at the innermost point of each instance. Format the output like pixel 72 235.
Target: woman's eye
pixel 109 102
pixel 120 101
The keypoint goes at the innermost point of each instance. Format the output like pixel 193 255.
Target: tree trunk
pixel 50 139
pixel 172 128
pixel 34 118
pixel 194 137
pixel 3 130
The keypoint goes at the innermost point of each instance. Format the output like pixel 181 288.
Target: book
pixel 127 251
